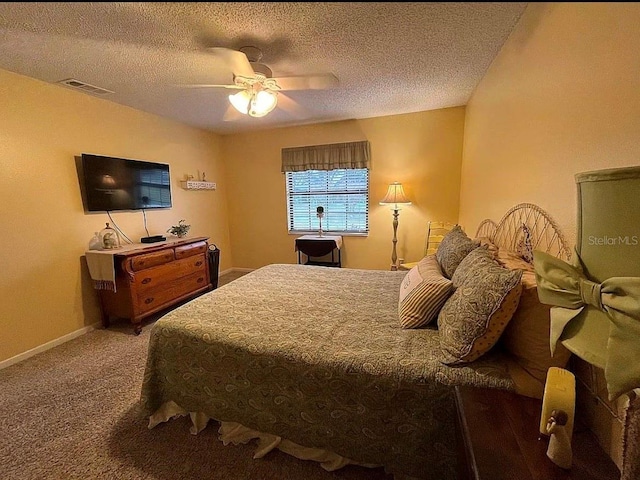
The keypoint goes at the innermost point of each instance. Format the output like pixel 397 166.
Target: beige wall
pixel 562 97
pixel 45 291
pixel 421 150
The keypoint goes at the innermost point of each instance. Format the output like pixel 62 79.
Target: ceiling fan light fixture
pixel 240 101
pixel 254 103
pixel 256 88
pixel 262 103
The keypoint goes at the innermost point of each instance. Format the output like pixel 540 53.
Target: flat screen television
pixel 110 183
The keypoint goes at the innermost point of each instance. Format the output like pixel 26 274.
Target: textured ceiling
pixel 390 58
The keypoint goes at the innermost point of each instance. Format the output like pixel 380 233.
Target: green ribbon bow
pixel 580 307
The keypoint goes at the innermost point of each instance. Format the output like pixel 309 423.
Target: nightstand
pixel 498 439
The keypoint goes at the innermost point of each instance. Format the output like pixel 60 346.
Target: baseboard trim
pixel 70 336
pixel 231 270
pixel 47 346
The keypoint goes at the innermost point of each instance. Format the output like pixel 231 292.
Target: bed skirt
pixel 233 432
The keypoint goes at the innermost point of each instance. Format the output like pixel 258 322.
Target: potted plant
pixel 179 230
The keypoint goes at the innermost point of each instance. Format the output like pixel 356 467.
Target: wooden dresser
pixel 155 277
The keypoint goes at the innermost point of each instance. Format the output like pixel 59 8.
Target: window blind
pixel 343 193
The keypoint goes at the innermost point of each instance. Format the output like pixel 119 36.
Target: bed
pixel 312 359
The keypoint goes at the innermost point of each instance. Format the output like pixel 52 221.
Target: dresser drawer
pixel 140 262
pixel 157 276
pixel 165 294
pixel 190 250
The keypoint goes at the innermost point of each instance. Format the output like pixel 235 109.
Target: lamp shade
pixel 608 223
pixel 240 101
pixel 262 103
pixel 108 181
pixel 395 195
pixel 596 300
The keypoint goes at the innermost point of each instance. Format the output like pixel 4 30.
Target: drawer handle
pixel 148 300
pixel 200 280
pixel 198 263
pixel 146 280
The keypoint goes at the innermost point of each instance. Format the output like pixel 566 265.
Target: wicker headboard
pixel 603 417
pixel 544 233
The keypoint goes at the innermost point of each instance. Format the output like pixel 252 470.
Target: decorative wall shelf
pixel 196 185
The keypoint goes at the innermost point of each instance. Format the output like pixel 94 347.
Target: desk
pixel 319 246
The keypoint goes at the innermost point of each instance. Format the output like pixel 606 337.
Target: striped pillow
pixel 423 293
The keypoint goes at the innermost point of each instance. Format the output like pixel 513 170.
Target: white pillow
pixel 423 292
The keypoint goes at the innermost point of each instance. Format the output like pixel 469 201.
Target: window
pixel 334 176
pixel 344 194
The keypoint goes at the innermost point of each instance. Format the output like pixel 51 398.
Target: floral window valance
pixel 332 156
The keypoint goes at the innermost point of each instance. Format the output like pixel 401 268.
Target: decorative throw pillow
pixel 524 247
pixel 454 247
pixel 473 318
pixel 513 260
pixel 468 267
pixel 422 293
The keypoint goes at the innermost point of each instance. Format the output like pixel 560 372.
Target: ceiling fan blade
pixel 205 85
pixel 308 82
pixel 290 106
pixel 237 60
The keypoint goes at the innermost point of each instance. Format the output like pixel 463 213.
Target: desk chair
pixel 435 233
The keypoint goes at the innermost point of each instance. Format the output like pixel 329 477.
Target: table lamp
pixel 395 196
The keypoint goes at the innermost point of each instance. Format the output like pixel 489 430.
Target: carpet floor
pixel 72 413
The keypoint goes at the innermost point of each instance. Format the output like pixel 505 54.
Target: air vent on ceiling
pixel 85 87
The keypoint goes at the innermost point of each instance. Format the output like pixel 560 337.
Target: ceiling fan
pixel 258 90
